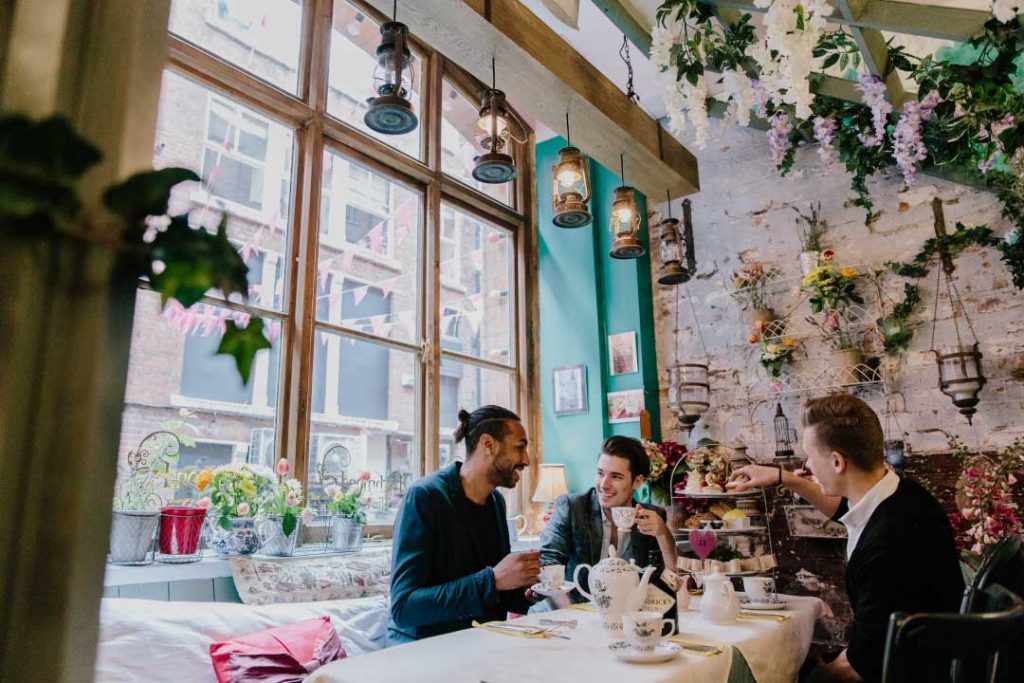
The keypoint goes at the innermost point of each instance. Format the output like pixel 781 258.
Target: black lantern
pixel 391 112
pixel 960 373
pixel 625 223
pixel 785 437
pixel 571 186
pixel 499 124
pixel 675 248
pixel 894 446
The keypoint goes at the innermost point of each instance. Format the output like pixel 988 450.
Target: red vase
pixel 180 530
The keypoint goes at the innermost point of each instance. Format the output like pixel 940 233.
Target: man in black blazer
pixel 582 529
pixel 900 551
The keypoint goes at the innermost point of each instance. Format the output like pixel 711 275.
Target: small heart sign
pixel 703 542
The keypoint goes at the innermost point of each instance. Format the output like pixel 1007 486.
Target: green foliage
pixel 243 344
pixel 348 503
pixel 837 48
pixel 704 44
pixel 41 163
pixel 810 239
pixel 895 329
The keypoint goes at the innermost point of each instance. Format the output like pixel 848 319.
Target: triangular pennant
pixel 346 260
pixel 275 330
pixel 324 277
pixel 359 293
pixel 375 238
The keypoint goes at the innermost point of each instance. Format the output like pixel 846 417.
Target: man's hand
pixel 517 570
pixel 753 476
pixel 650 523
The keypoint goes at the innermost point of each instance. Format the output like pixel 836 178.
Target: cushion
pixel 169 642
pixel 286 654
pixel 271 580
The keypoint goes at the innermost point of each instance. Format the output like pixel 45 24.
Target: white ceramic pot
pixel 615 588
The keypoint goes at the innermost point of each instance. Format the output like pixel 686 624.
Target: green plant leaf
pixel 225 523
pixel 48 149
pixel 146 193
pixel 195 261
pixel 288 523
pixel 243 343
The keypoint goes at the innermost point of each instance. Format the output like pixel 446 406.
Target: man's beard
pixel 504 474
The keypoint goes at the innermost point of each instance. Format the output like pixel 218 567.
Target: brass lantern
pixel 625 221
pixel 676 247
pixel 498 124
pixel 961 376
pixel 571 189
pixel 391 112
pixel 689 393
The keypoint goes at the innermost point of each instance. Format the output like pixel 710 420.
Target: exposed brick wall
pixel 743 214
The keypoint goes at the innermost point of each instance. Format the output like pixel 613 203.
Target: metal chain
pixel 970 325
pixel 675 303
pixel 696 323
pixel 954 306
pixel 935 310
pixel 624 54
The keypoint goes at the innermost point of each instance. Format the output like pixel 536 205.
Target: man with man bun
pixel 452 561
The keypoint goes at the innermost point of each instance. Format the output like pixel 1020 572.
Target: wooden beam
pixel 637 33
pixel 873 49
pixel 541 73
pixel 948 23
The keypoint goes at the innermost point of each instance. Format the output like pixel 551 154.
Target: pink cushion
pixel 285 654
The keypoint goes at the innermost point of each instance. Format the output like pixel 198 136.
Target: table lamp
pixel 550 485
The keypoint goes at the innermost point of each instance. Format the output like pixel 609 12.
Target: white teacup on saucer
pixel 624 517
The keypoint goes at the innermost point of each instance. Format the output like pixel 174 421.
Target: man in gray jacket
pixel 581 527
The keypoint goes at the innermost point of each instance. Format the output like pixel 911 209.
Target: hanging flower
pixel 1006 10
pixel 908 148
pixel 687 103
pixel 873 95
pixel 792 30
pixel 662 40
pixel 778 138
pixel 825 136
pixel 741 96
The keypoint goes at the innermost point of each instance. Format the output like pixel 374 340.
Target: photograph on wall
pixel 625 406
pixel 622 350
pixel 570 389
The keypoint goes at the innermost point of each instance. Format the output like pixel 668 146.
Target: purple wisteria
pixel 907 146
pixel 873 95
pixel 778 137
pixel 760 97
pixel 825 136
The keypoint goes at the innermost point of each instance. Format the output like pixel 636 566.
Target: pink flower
pixel 307 515
pixel 203 503
pixel 291 499
pixel 243 509
pixel 825 135
pixel 363 476
pixel 282 467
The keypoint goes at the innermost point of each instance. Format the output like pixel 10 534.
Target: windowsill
pixel 214 567
pixel 359 422
pixel 179 401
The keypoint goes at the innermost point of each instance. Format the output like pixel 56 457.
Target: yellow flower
pixel 203 479
pixel 773 348
pixel 248 488
pixel 848 272
pixel 788 342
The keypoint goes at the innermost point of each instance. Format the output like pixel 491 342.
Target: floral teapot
pixel 615 588
pixel 719 604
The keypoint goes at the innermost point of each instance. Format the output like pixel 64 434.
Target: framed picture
pixel 625 406
pixel 570 389
pixel 622 353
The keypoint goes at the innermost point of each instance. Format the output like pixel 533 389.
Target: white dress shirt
pixel 856 518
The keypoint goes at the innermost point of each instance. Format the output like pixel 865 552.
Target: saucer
pixel 662 652
pixel 766 604
pixel 539 589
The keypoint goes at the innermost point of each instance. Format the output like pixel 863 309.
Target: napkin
pixel 506 629
pixel 583 606
pixel 687 641
pixel 763 616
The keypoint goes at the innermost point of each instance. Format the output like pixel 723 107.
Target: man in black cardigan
pixel 900 552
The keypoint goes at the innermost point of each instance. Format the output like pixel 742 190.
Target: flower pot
pixel 847 361
pixel 761 315
pixel 131 536
pixel 346 535
pixel 809 260
pixel 243 539
pixel 274 540
pixel 181 527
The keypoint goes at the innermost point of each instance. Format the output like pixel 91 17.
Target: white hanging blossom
pixel 786 78
pixel 687 106
pixel 1006 10
pixel 662 40
pixel 740 90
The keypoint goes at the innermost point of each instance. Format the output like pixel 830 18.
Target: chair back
pixel 1003 565
pixel 929 647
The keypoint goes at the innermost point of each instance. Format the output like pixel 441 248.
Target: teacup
pixel 624 517
pixel 644 630
pixel 552 576
pixel 759 588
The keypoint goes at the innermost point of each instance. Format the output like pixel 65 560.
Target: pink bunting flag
pixel 378 325
pixel 376 238
pixel 385 287
pixel 359 293
pixel 274 331
pixel 476 299
pixel 323 276
pixel 346 260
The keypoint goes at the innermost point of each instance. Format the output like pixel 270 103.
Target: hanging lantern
pixel 784 436
pixel 960 374
pixel 689 393
pixel 625 220
pixel 675 247
pixel 391 112
pixel 895 454
pixel 498 124
pixel 571 189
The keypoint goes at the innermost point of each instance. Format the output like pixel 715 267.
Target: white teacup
pixel 759 588
pixel 552 576
pixel 644 630
pixel 624 517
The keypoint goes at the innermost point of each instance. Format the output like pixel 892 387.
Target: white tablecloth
pixel 774 651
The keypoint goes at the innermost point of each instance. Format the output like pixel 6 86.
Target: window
pixel 365 371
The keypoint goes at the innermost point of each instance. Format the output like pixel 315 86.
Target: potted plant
pixel 235 495
pixel 774 354
pixel 182 518
pixel 282 514
pixel 810 238
pixel 136 513
pixel 832 291
pixel 751 289
pixel 349 509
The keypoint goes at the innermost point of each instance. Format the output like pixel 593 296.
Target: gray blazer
pixel 573 537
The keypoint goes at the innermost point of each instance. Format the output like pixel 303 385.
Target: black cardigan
pixel 906 561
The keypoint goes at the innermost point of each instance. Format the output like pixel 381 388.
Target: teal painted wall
pixel 585 295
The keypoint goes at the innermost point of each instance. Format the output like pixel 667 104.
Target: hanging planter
pixel 848 362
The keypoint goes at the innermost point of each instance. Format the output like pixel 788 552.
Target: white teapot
pixel 615 588
pixel 719 604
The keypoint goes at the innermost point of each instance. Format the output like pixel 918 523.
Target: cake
pixel 693 482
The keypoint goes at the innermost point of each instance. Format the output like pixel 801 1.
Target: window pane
pixel 468 386
pixel 173 367
pixel 364 420
pixel 476 295
pixel 369 251
pixel 354 41
pixel 245 160
pixel 461 139
pixel 260 36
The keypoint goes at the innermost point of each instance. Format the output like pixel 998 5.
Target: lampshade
pixel 551 484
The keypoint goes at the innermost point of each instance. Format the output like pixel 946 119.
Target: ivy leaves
pixel 243 343
pixel 188 262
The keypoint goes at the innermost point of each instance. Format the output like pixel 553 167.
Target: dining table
pixel 761 647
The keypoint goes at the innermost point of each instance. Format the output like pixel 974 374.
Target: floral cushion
pixel 267 581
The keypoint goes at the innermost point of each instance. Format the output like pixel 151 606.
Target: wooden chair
pixel 1002 565
pixel 929 647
